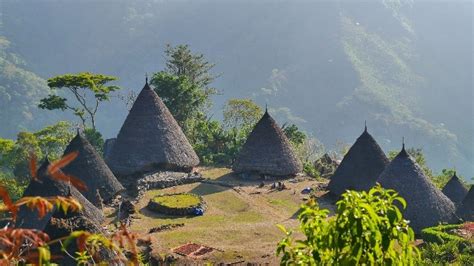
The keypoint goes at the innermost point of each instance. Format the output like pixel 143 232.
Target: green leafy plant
pixel 310 170
pixel 447 253
pixel 95 139
pixel 439 234
pixel 241 113
pixel 216 145
pixel 368 228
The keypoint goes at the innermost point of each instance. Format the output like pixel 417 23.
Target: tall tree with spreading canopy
pixel 88 89
pixel 241 113
pixel 184 85
pixel 180 61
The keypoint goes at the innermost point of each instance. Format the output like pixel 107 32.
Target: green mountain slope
pixel 404 66
pixel 20 91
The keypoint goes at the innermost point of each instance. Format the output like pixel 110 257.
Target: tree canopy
pixel 84 87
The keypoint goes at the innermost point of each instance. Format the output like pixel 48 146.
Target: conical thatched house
pixel 48 187
pixel 267 151
pixel 56 224
pixel 150 139
pixel 426 205
pixel 455 190
pixel 92 170
pixel 466 209
pixel 360 167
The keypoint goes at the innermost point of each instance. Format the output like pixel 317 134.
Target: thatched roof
pixel 91 168
pixel 426 204
pixel 61 227
pixel 48 187
pixel 466 209
pixel 360 167
pixel 455 190
pixel 267 151
pixel 150 139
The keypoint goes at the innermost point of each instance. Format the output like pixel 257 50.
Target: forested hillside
pixel 20 91
pixel 404 66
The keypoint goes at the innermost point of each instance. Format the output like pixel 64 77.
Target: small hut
pixel 49 187
pixel 150 139
pixel 466 208
pixel 426 204
pixel 267 151
pixel 56 223
pixel 360 167
pixel 455 190
pixel 92 170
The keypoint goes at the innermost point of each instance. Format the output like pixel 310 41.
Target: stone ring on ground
pixel 180 204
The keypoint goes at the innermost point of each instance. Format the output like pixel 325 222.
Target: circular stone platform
pixel 177 204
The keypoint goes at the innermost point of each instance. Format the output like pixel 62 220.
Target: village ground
pixel 240 222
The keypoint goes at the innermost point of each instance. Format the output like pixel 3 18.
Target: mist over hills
pixel 404 66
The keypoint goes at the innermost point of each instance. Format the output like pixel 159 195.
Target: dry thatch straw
pixel 360 167
pixel 426 204
pixel 92 170
pixel 150 139
pixel 267 151
pixel 455 190
pixel 466 209
pixel 62 227
pixel 49 187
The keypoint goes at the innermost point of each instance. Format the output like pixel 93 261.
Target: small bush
pixel 368 229
pixel 450 252
pixel 438 234
pixel 310 170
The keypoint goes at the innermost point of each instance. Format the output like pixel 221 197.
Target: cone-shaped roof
pixel 63 227
pixel 360 167
pixel 150 138
pixel 49 187
pixel 267 151
pixel 466 209
pixel 426 205
pixel 455 190
pixel 92 170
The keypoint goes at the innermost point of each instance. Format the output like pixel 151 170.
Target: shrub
pixel 439 234
pixel 368 228
pixel 310 170
pixel 449 252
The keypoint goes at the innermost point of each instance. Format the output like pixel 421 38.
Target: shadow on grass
pixel 222 183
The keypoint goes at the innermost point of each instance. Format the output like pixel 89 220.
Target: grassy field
pixel 240 221
pixel 177 201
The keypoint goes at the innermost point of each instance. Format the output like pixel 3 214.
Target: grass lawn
pixel 177 201
pixel 240 222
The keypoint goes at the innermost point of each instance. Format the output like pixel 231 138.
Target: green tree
pixel 307 148
pixel 294 134
pixel 216 145
pixel 241 113
pixel 367 229
pixel 184 85
pixel 88 89
pixel 180 61
pixel 50 141
pixel 184 99
pixel 95 138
